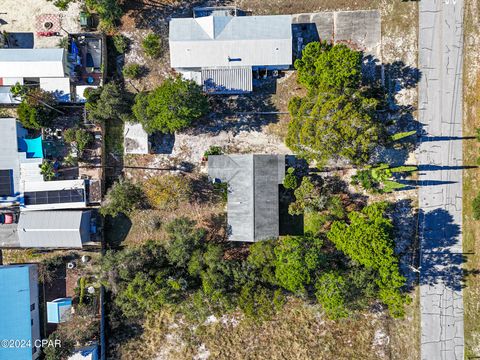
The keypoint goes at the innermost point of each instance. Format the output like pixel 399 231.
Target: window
pixel 31 320
pixel 32 307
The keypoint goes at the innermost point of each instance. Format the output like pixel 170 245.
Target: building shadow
pixel 116 230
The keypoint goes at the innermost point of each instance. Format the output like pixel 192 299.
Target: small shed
pixel 135 139
pixel 59 310
pixel 85 353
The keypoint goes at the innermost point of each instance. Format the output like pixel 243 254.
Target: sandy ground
pixel 20 17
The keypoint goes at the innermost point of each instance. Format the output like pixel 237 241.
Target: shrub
pixel 152 45
pixel 212 150
pixel 122 197
pixel 132 71
pixel 47 170
pixel 62 352
pixel 330 292
pixel 109 12
pixel 167 191
pixel 83 138
pixel 121 43
pixel 290 181
pixel 476 207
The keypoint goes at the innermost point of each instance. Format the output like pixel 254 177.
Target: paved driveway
pixel 440 194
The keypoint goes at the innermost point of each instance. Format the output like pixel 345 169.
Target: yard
pixel 299 331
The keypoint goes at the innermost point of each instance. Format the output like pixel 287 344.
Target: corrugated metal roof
pixel 32 63
pixel 15 313
pixel 54 229
pixel 237 80
pixel 253 202
pixel 230 41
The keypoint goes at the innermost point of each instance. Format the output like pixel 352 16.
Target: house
pixel 66 73
pixel 85 353
pixel 59 310
pixel 135 139
pixel 19 311
pixel 21 181
pixel 221 51
pixel 253 193
pixel 49 229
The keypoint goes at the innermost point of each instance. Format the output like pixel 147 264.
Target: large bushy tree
pixel 327 126
pixel 367 238
pixel 329 68
pixel 108 102
pixel 172 106
pixel 36 109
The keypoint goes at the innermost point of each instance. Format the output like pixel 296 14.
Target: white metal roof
pixel 32 63
pixel 231 41
pixel 135 139
pixel 9 158
pixel 60 87
pixel 54 229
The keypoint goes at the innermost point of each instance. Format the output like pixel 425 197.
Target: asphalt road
pixel 440 193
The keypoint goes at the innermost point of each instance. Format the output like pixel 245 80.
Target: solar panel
pixel 6 188
pixel 54 197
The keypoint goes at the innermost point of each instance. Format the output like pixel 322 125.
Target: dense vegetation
pixel 338 116
pixel 197 276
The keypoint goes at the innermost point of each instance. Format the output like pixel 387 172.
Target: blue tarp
pixel 33 147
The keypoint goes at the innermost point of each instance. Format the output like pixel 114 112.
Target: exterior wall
pixel 35 313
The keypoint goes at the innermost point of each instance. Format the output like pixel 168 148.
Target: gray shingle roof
pixel 253 203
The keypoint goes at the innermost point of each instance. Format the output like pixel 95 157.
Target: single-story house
pixel 253 193
pixel 220 52
pixel 21 181
pixel 66 73
pixel 19 311
pixel 59 310
pixel 48 229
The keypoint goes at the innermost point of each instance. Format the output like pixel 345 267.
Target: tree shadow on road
pixel 440 262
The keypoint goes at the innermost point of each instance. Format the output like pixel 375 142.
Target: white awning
pixel 236 80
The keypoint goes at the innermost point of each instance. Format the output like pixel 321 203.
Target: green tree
pixel 121 43
pixel 122 197
pixel 368 240
pixel 109 12
pixel 36 109
pixel 62 352
pixel 183 239
pixel 326 127
pixel 309 197
pixel 324 67
pixel 172 106
pixel 296 258
pixel 152 45
pixel 262 259
pixel 331 290
pixel 108 102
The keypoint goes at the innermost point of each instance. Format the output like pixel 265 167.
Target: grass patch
pixel 114 137
pixel 471 177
